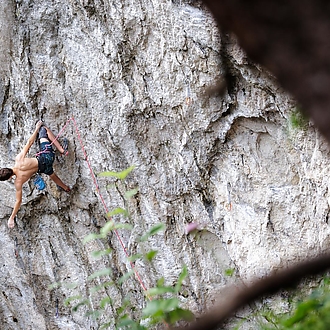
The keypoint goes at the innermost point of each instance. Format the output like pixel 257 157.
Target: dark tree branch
pixel 284 279
pixel 290 39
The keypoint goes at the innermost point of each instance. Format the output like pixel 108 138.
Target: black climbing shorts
pixel 46 158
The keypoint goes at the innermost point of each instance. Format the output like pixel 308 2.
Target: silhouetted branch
pixel 291 40
pixel 283 279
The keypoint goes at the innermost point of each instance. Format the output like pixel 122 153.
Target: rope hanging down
pixel 99 193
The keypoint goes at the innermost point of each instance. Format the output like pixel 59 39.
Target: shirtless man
pixel 25 167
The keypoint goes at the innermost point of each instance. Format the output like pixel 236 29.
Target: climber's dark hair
pixel 5 173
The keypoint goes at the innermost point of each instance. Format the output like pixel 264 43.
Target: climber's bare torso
pixel 24 168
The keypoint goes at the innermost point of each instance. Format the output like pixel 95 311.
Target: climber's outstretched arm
pixel 30 141
pixel 11 221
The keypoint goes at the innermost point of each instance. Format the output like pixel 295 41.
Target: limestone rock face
pixel 129 82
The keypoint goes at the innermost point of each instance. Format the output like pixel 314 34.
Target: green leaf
pixel 106 325
pixel 313 313
pixel 111 185
pixel 126 276
pixel 229 272
pixel 160 306
pixel 298 120
pixel 139 327
pixel 160 290
pixel 67 301
pixel 154 230
pixel 119 175
pixel 131 193
pixel 97 288
pixel 303 309
pixel 91 237
pixel 150 255
pixel 181 278
pixel 179 314
pixel 125 321
pixel 82 303
pixel 123 226
pixel 160 282
pixel 126 302
pixel 109 226
pixel 54 285
pixel 101 253
pixel 93 314
pixel 135 257
pixel 105 301
pixel 99 273
pixel 116 211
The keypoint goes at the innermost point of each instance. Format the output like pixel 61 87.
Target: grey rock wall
pixel 134 75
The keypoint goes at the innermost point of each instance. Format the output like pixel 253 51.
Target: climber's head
pixel 6 173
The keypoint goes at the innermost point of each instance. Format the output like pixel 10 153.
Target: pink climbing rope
pixel 99 193
pixel 62 130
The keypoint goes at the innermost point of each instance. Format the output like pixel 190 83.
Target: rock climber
pixel 25 167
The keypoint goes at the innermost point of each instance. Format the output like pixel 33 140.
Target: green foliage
pixel 153 231
pixel 70 299
pixel 160 308
pixel 131 193
pixel 182 276
pixel 297 119
pixel 108 227
pixel 312 313
pixel 82 302
pixel 150 255
pixel 135 257
pixel 93 314
pixel 125 277
pixel 117 211
pixel 105 301
pixel 163 305
pixel 101 253
pixel 91 237
pixel 166 308
pixel 100 287
pixel 119 175
pixel 230 272
pixel 99 273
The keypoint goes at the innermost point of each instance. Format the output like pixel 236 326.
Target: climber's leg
pixel 46 135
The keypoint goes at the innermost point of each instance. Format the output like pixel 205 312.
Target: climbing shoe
pixel 65 146
pixel 61 189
